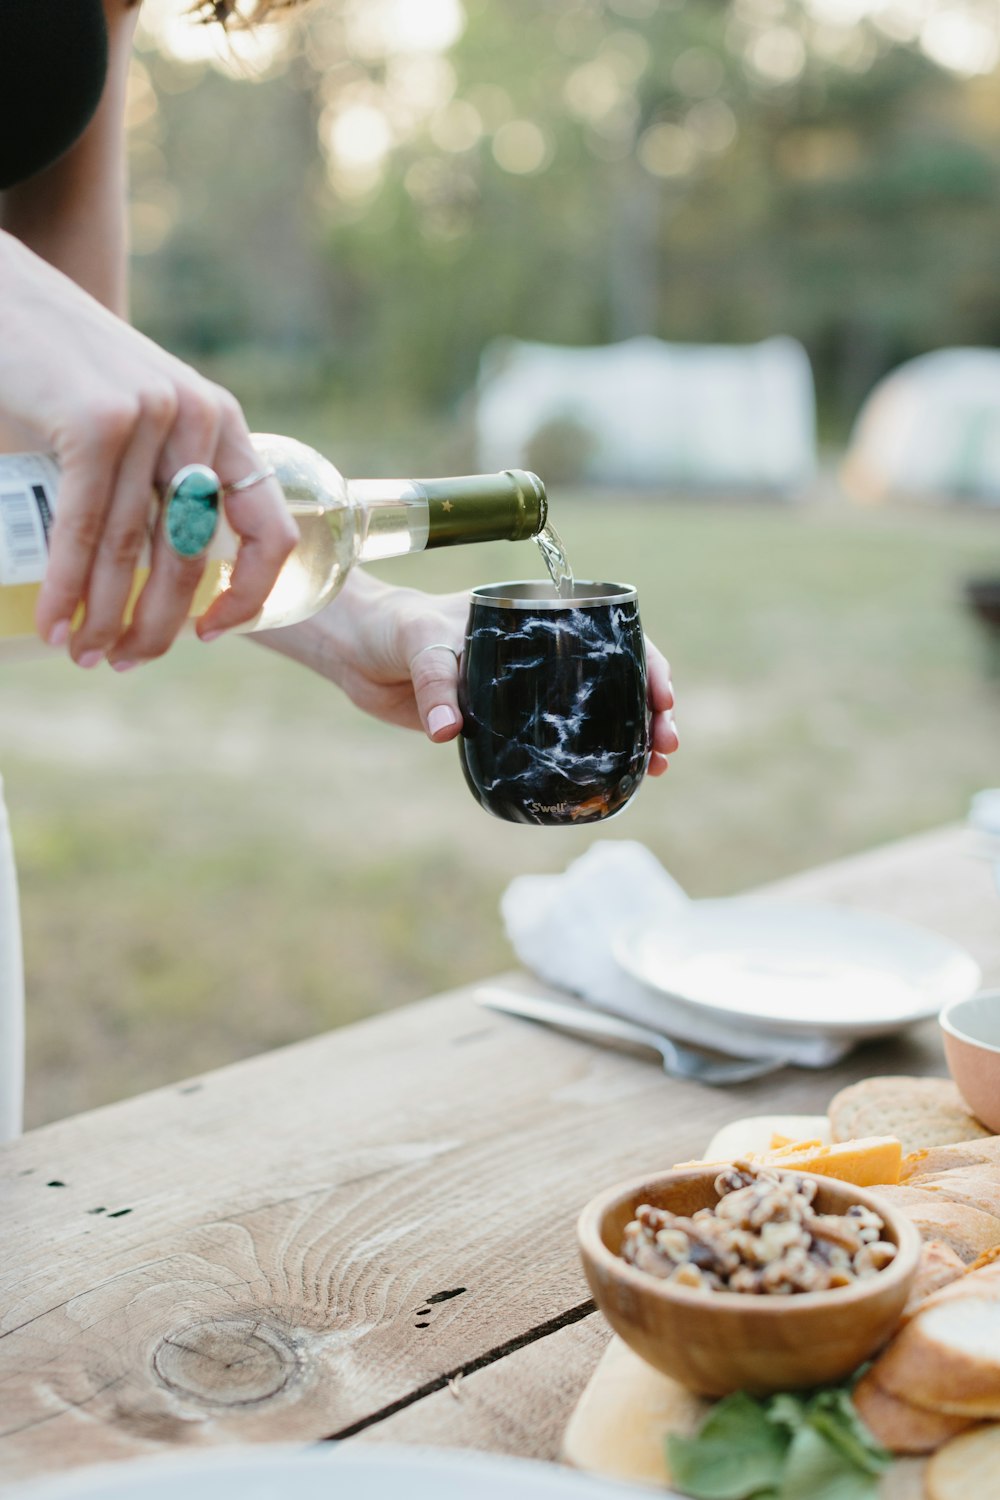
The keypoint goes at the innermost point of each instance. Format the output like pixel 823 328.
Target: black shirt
pixel 53 65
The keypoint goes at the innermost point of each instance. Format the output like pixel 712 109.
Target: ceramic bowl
pixel 716 1342
pixel 970 1030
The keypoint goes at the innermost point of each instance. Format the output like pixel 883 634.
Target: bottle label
pixel 27 512
pixel 29 484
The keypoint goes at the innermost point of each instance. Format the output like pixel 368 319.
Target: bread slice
pixel 947 1357
pixel 967 1468
pixel 979 1186
pixel 939 1266
pixel 966 1230
pixel 981 1279
pixel 988 1258
pixel 898 1424
pixel 931 1160
pixel 921 1112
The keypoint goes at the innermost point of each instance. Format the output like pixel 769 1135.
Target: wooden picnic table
pixel 370 1236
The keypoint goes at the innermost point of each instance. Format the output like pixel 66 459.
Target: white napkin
pixel 562 927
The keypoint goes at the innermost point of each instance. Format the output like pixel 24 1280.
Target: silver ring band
pixel 248 483
pixel 434 646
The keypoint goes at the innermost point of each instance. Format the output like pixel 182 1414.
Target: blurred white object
pixel 11 990
pixel 984 818
pixel 564 927
pixel 645 412
pixel 930 431
pixel 748 975
pixel 984 811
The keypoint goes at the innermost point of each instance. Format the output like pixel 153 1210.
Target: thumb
pixel 434 672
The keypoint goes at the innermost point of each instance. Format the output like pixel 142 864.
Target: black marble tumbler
pixel 553 694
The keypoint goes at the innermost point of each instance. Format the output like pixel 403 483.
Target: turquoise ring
pixel 191 510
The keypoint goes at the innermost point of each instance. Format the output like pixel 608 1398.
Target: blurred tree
pixel 420 180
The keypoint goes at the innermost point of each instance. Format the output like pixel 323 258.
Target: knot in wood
pixel 228 1361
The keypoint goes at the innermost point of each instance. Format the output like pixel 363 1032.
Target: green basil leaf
pixel 833 1414
pixel 738 1454
pixel 787 1410
pixel 814 1470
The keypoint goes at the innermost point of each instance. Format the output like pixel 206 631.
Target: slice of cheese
pixel 871 1162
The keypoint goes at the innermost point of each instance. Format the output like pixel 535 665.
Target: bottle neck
pixel 408 515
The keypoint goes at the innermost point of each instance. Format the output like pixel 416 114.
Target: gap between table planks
pixel 370 1235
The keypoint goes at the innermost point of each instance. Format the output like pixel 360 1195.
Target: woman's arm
pixel 370 641
pixel 73 213
pixel 120 414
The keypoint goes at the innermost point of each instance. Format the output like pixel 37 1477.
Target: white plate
pixel 329 1472
pixel 797 968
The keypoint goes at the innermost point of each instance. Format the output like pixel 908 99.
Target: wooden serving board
pixel 620 1425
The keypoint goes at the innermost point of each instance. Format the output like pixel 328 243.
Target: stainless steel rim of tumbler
pixel 534 594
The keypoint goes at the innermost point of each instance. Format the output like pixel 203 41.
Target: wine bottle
pixel 341 522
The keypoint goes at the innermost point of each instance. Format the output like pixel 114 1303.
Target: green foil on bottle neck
pixel 485 508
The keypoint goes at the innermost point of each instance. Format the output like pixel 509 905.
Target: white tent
pixel 930 430
pixel 645 412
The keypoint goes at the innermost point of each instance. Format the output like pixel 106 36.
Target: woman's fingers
pixel 166 598
pixel 125 452
pixel 661 701
pixel 126 533
pixel 659 686
pixel 434 673
pixel 261 520
pixel 91 460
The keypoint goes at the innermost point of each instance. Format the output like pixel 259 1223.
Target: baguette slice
pixel 898 1424
pixel 968 1468
pixel 939 1266
pixel 988 1258
pixel 930 1160
pixel 978 1187
pixel 947 1357
pixel 966 1230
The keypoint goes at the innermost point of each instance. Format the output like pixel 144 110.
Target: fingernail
pixel 441 718
pixel 122 666
pixel 90 659
pixel 59 634
pixel 211 635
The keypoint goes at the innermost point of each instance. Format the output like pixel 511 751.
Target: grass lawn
pixel 218 855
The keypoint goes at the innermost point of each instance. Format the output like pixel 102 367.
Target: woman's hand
pixel 373 641
pixel 661 701
pixel 122 416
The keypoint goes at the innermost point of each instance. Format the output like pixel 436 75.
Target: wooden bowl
pixel 716 1342
pixel 970 1030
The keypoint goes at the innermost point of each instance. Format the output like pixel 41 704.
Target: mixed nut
pixel 762 1237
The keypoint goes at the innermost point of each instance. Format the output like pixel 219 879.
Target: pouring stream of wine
pixel 553 552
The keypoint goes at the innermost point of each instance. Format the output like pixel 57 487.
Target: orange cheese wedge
pixel 870 1162
pixel 867 1162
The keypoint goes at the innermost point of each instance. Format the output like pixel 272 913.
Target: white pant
pixel 11 990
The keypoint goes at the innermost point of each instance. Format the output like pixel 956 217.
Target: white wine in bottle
pixel 341 522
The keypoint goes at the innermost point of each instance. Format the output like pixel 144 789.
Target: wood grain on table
pixel 370 1236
